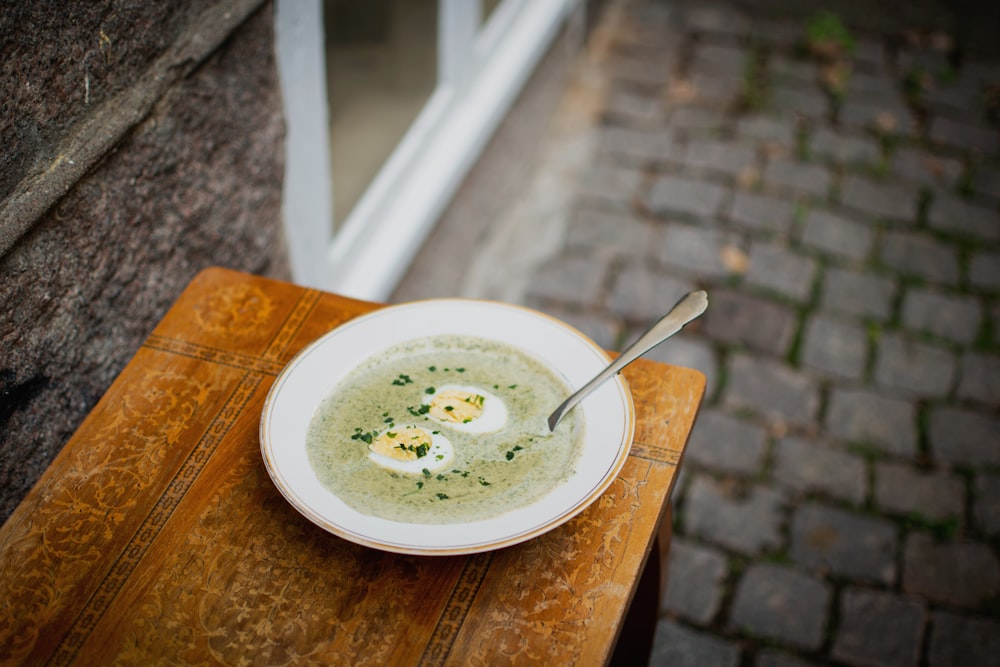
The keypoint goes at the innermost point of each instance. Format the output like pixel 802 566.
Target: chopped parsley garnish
pixel 442 496
pixel 429 390
pixel 483 482
pixel 367 438
pixel 402 380
pixel 422 409
pixel 460 370
pixel 512 386
pixel 432 368
pixel 427 473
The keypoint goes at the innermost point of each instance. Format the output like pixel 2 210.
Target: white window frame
pixel 481 69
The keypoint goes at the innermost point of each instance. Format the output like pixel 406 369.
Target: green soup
pixel 491 473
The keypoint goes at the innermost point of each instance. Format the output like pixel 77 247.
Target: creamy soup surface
pixel 444 429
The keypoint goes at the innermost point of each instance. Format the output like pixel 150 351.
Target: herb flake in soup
pixel 444 429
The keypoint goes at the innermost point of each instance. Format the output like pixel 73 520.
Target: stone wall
pixel 141 143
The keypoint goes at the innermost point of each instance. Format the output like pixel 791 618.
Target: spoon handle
pixel 688 308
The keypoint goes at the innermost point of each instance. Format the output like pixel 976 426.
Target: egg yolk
pixel 403 444
pixel 457 406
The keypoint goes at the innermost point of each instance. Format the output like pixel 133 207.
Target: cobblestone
pixel 759 324
pixel 612 185
pixel 837 236
pixel 692 119
pixel 804 466
pixel 694 581
pixel 675 195
pixel 974 138
pixel 762 212
pixel 771 389
pixel 726 444
pixel 781 604
pixel 853 293
pixel 925 168
pixel 860 547
pixel 844 149
pixel 984 270
pixel 886 201
pixel 879 629
pixel 879 112
pixel 951 316
pixel 778 269
pixel 800 177
pixel 986 511
pixel 570 279
pixel 612 231
pixel 807 101
pixel 677 646
pixel 770 658
pixel 951 214
pixel 835 347
pixel 902 489
pixel 747 521
pixel 914 368
pixel 960 573
pixel 722 156
pixel 642 294
pixel 599 327
pixel 962 640
pixel 693 251
pixel 636 146
pixel 689 351
pixel 767 129
pixel 915 254
pixel 866 417
pixel 963 436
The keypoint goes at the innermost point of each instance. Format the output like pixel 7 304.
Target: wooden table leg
pixel 635 643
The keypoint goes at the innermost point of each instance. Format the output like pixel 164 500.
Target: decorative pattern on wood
pixel 156 535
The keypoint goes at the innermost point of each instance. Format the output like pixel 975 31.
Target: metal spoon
pixel 688 308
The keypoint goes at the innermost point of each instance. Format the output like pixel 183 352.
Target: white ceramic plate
pixel 608 413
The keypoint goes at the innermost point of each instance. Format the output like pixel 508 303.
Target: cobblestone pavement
pixel 839 501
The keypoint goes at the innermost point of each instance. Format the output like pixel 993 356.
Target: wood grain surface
pixel 156 536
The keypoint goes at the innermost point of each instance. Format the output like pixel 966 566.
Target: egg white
pixel 440 455
pixel 492 419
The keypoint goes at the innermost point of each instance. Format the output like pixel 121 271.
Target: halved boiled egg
pixel 411 449
pixel 469 409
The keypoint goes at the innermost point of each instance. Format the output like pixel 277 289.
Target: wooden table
pixel 156 536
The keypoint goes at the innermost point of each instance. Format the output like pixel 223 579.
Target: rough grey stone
pixel 771 658
pixel 194 183
pixel 962 640
pixel 986 182
pixel 959 573
pixel 572 279
pixel 711 89
pixel 721 20
pixel 844 149
pixel 879 629
pixel 760 324
pixel 837 236
pixel 629 106
pixel 611 231
pixel 719 58
pixel 599 327
pixel 675 195
pixel 802 177
pixel 793 71
pixel 887 201
pixel 919 255
pixel 951 214
pixel 853 293
pixel 951 316
pixel 835 347
pixel 847 544
pixel 914 368
pixel 812 467
pixel 986 509
pixel 959 435
pixel 725 443
pixel 694 581
pixel 782 270
pixel 770 388
pixel 677 646
pixel 867 417
pixel 693 250
pixel 641 294
pixel 692 119
pixel 715 155
pixel 872 110
pixel 902 489
pixel 984 269
pixel 762 212
pixel 746 522
pixel 781 604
